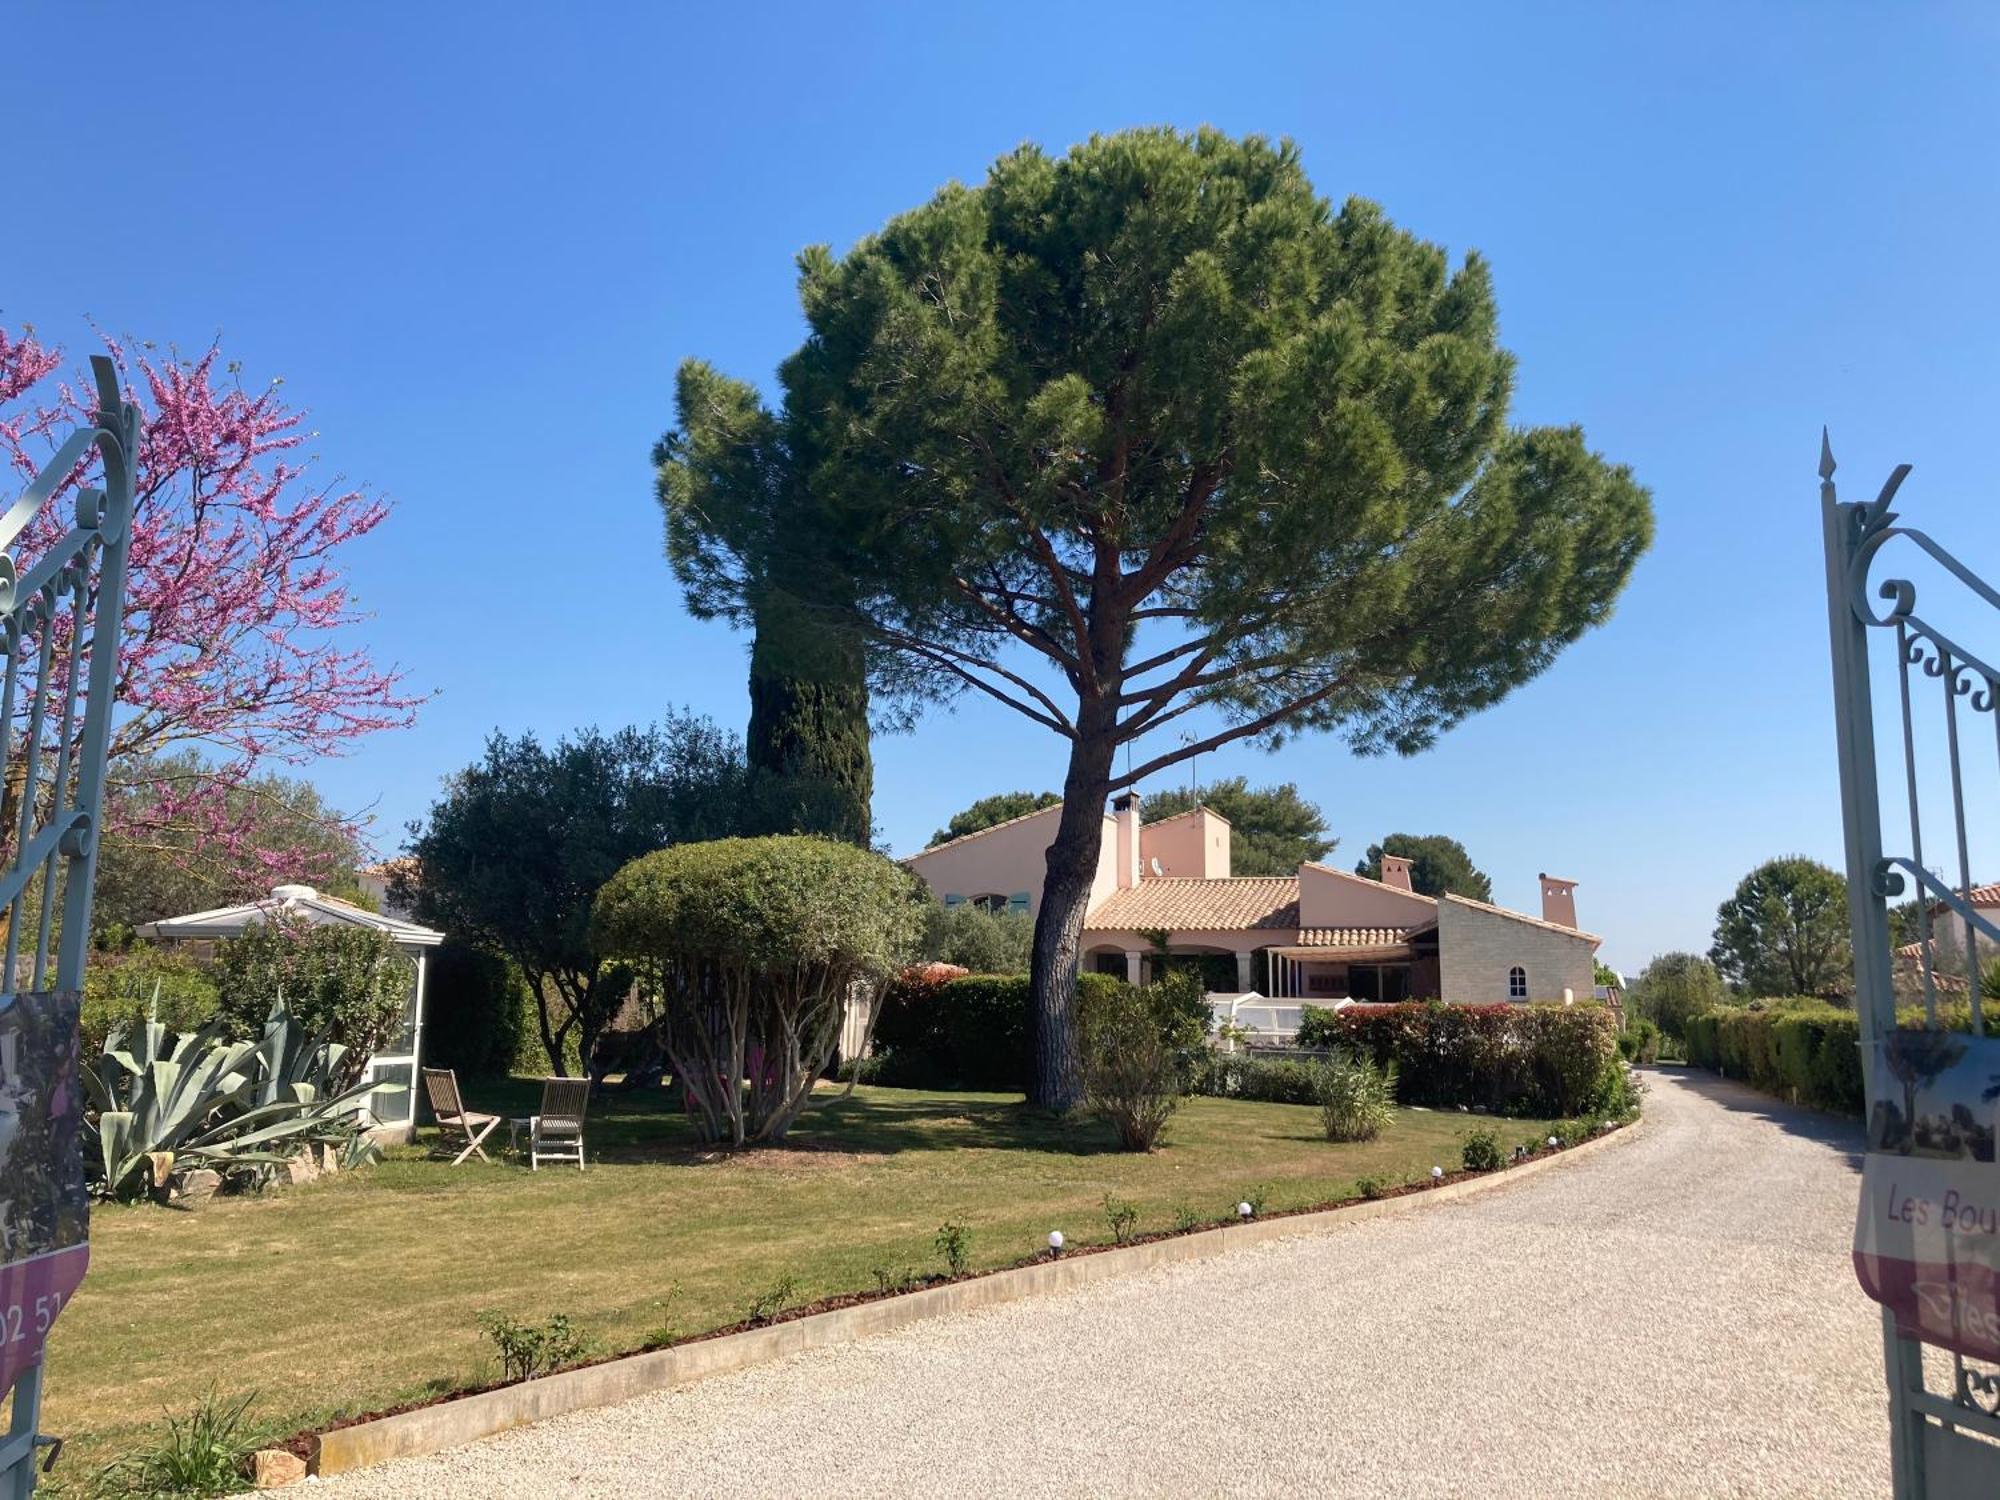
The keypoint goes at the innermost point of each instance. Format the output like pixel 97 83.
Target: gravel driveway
pixel 1672 1316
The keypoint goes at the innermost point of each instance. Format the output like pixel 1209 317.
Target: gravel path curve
pixel 1672 1316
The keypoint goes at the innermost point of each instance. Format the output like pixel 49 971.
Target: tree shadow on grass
pixel 650 1126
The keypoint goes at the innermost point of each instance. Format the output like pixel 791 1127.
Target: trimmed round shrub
pixel 754 948
pixel 1481 1151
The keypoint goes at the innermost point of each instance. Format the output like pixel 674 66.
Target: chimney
pixel 1127 810
pixel 1396 872
pixel 1558 901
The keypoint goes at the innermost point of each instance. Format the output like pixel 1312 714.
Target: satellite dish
pixel 1156 866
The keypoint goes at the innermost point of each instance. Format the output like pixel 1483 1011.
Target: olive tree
pixel 1147 433
pixel 754 948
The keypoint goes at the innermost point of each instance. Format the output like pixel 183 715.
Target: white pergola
pixel 394 1112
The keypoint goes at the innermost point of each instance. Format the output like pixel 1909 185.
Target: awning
pixel 291 900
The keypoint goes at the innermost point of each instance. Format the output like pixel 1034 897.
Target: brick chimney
pixel 1126 808
pixel 1558 901
pixel 1396 872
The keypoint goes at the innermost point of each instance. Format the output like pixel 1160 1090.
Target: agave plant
pixel 164 1104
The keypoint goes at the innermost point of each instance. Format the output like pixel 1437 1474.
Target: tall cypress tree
pixel 729 485
pixel 808 738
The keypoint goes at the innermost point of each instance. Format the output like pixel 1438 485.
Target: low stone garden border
pixel 455 1420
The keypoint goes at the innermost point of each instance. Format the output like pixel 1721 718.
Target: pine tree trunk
pixel 1072 866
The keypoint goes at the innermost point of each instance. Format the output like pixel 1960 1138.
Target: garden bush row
pixel 1554 1060
pixel 1801 1049
pixel 969 1032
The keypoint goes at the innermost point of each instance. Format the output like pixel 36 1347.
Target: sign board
pixel 1927 1239
pixel 44 1210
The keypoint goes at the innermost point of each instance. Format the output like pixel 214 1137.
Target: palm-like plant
pixel 164 1103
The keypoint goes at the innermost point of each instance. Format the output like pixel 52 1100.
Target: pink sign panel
pixel 44 1209
pixel 1927 1235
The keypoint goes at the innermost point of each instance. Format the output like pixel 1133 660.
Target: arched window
pixel 1517 983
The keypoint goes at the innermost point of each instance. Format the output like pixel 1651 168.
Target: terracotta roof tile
pixel 1358 937
pixel 1194 905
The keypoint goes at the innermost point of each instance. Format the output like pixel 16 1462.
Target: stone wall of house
pixel 1477 948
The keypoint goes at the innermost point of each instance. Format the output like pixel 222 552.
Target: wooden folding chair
pixel 556 1134
pixel 455 1121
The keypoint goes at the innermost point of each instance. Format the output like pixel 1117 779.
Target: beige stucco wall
pixel 1195 844
pixel 1332 898
pixel 1004 860
pixel 1476 948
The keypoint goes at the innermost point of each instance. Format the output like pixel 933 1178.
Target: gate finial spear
pixel 1826 464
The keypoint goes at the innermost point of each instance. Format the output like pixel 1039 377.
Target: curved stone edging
pixel 466 1419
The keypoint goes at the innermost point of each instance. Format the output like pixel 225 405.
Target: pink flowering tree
pixel 237 662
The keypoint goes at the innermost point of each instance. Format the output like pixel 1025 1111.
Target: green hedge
pixel 476 1014
pixel 119 991
pixel 1266 1080
pixel 1557 1061
pixel 1804 1050
pixel 969 1033
pixel 1807 1052
pixel 1640 1042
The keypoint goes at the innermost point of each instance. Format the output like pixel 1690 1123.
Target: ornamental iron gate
pixel 60 623
pixel 1927 1230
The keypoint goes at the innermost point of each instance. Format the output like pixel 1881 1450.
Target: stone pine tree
pixel 1000 807
pixel 1151 435
pixel 726 463
pixel 1272 829
pixel 1438 865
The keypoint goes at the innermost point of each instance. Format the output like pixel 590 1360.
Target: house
pixel 394 1112
pixel 1947 955
pixel 1321 935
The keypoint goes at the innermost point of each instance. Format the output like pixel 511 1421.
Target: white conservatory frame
pixel 395 1114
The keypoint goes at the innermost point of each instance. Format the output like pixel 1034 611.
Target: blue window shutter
pixel 1018 901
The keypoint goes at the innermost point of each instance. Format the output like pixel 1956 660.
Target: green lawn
pixel 365 1290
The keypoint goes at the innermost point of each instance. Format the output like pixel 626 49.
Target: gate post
pixel 1868 919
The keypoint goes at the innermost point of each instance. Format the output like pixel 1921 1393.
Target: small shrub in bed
pixel 1134 1073
pixel 1356 1098
pixel 1123 1216
pixel 954 1242
pixel 530 1349
pixel 1481 1151
pixel 773 1300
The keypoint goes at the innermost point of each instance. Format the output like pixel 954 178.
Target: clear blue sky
pixel 477 240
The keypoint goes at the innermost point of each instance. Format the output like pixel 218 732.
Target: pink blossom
pixel 235 645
